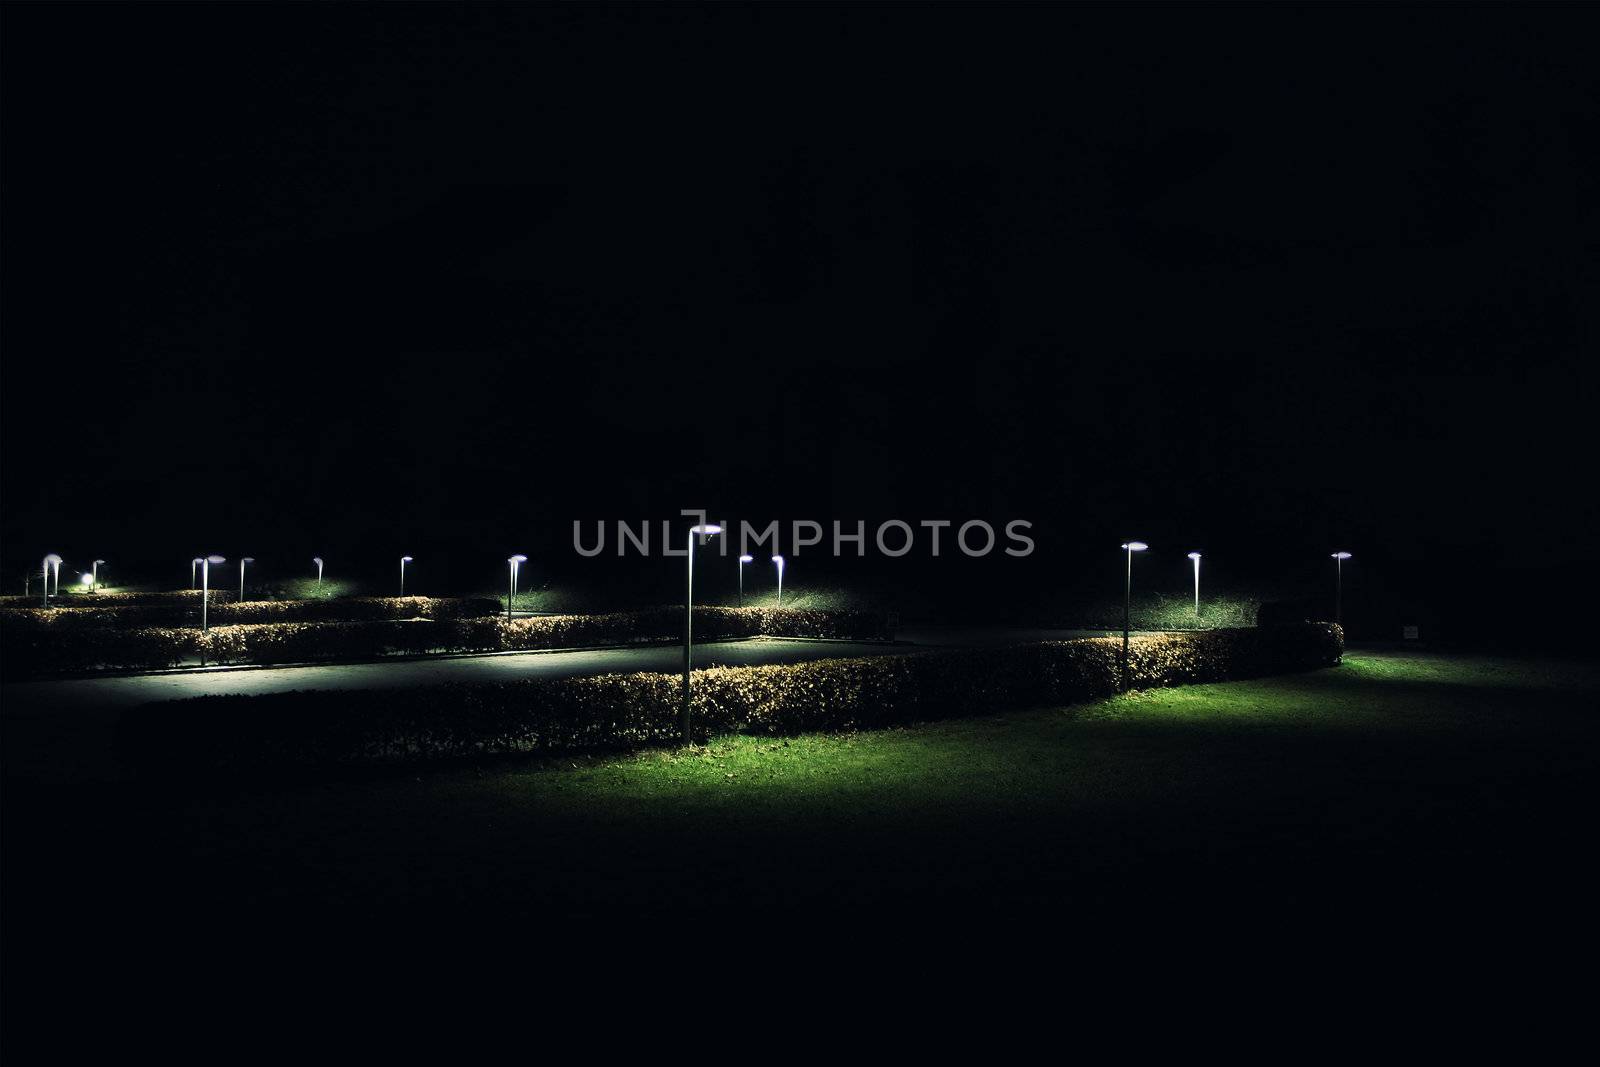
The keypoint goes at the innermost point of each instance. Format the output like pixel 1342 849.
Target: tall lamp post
pixel 403 561
pixel 1338 586
pixel 55 571
pixel 194 572
pixel 52 560
pixel 205 587
pixel 516 563
pixel 704 530
pixel 94 576
pixel 779 561
pixel 242 562
pixel 1196 557
pixel 1127 604
pixel 742 561
pixel 318 561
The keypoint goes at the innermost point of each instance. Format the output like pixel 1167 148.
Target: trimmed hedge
pixel 175 598
pixel 231 734
pixel 53 642
pixel 171 612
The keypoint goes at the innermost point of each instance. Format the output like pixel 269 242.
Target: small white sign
pixel 1411 633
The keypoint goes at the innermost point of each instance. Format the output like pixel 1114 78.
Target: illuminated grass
pixel 1421 775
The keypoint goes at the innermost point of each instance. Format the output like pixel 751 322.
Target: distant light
pixel 747 559
pixel 1194 555
pixel 86 579
pixel 706 530
pixel 1135 546
pixel 1341 555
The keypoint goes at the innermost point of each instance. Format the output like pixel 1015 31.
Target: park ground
pixel 1400 791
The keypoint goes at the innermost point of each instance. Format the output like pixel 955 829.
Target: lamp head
pixel 52 560
pixel 1341 555
pixel 517 559
pixel 1135 546
pixel 317 560
pixel 247 559
pixel 99 563
pixel 706 529
pixel 215 559
pixel 747 559
pixel 1195 556
pixel 778 560
pixel 405 559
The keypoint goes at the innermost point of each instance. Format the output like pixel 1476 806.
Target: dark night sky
pixel 310 276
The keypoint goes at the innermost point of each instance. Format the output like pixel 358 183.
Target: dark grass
pixel 1399 792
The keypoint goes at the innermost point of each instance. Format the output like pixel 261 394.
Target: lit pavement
pixel 63 731
pixel 106 694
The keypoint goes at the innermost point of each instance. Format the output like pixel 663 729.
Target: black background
pixel 438 280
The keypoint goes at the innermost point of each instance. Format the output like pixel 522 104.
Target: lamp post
pixel 742 561
pixel 55 569
pixel 94 576
pixel 194 571
pixel 779 561
pixel 242 562
pixel 52 560
pixel 516 563
pixel 1196 557
pixel 1130 548
pixel 403 561
pixel 704 530
pixel 1338 586
pixel 318 561
pixel 205 587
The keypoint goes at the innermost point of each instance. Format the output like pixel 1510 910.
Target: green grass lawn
pixel 1396 788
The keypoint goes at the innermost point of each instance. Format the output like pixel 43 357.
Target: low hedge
pixel 55 642
pixel 174 598
pixel 177 612
pixel 230 734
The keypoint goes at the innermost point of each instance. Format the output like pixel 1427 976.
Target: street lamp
pixel 1196 557
pixel 742 561
pixel 1127 604
pixel 205 586
pixel 52 560
pixel 516 564
pixel 94 576
pixel 194 571
pixel 403 561
pixel 242 562
pixel 55 569
pixel 704 530
pixel 779 561
pixel 1338 586
pixel 318 561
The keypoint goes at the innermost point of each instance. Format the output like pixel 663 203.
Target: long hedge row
pixel 180 597
pixel 237 733
pixel 178 611
pixel 45 645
